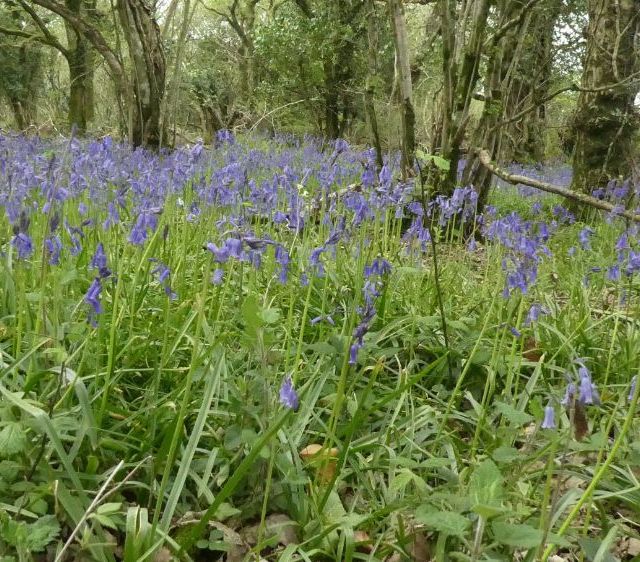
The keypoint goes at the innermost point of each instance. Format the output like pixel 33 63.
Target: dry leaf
pixel 363 542
pixel 324 460
pixel 163 555
pixel 580 423
pixel 420 551
pixel 531 350
pixel 275 525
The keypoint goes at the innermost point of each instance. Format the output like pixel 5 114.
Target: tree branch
pixel 485 159
pixel 91 33
pixel 502 31
pixel 53 40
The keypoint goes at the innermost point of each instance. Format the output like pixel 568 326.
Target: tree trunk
pixel 331 106
pixel 407 114
pixel 606 121
pixel 369 93
pixel 79 60
pixel 462 48
pixel 530 86
pixel 142 35
pixel 502 63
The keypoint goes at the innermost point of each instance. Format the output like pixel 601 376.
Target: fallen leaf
pixel 531 350
pixel 363 542
pixel 324 460
pixel 277 526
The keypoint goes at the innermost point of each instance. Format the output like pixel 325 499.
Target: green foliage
pixel 28 537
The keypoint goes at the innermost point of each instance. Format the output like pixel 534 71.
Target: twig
pixel 485 160
pixel 100 496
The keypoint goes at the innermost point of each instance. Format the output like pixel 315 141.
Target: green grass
pixel 434 441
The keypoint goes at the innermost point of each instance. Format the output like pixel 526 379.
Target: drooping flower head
pixel 99 262
pixel 92 298
pixel 23 244
pixel 549 421
pixel 288 395
pixel 588 392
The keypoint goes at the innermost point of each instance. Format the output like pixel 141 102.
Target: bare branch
pixel 583 198
pixel 517 20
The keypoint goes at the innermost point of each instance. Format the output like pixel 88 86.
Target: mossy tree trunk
pixel 407 113
pixel 606 121
pixel 79 56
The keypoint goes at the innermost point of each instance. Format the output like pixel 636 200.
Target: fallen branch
pixel 485 160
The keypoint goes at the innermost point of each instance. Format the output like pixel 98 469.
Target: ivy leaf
pixel 13 439
pixel 447 522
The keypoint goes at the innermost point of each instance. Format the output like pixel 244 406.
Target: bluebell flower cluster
pixel 376 275
pixel 525 245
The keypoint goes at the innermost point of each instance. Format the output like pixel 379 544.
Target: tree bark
pixel 606 122
pixel 369 93
pixel 504 57
pixel 337 66
pixel 80 62
pixel 463 43
pixel 144 42
pixel 530 87
pixel 407 113
pixel 143 94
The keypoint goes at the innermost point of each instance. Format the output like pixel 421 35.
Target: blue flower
pixel 23 244
pixel 99 262
pixel 632 388
pixel 569 395
pixel 585 238
pixel 53 246
pixel 92 298
pixel 288 395
pixel 217 277
pixel 283 259
pixel 588 390
pixel 549 421
pixel 163 273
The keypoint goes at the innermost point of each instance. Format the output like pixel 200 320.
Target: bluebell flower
pixel 217 277
pixel 163 273
pixel 632 388
pixel 53 246
pixel 588 390
pixel 92 298
pixel 23 244
pixel 99 262
pixel 549 421
pixel 569 394
pixel 225 136
pixel 340 145
pixel 283 259
pixel 385 176
pixel 323 318
pixel 353 353
pixel 585 238
pixel 379 267
pixel 534 314
pixel 288 395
